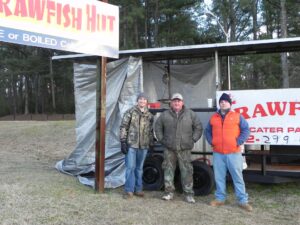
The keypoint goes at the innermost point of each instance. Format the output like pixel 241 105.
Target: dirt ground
pixel 33 192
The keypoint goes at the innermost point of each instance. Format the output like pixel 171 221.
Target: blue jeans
pixel 134 162
pixel 234 164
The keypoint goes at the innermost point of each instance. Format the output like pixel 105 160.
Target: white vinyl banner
pixel 273 114
pixel 83 26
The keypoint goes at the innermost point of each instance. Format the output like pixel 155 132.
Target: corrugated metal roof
pixel 206 50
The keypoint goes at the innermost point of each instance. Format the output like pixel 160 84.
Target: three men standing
pixel 178 128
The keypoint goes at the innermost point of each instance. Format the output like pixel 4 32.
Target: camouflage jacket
pixel 137 128
pixel 178 132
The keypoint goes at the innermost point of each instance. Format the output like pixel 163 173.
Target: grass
pixel 33 192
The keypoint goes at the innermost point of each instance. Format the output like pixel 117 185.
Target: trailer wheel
pixel 153 177
pixel 203 178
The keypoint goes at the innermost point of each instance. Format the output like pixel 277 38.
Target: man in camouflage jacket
pixel 136 135
pixel 178 129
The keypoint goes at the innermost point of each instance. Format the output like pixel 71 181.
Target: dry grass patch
pixel 33 192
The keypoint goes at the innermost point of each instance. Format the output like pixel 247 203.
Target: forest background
pixel 31 83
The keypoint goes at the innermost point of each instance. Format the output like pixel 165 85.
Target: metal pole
pixel 217 70
pixel 169 79
pixel 228 66
pixel 227 41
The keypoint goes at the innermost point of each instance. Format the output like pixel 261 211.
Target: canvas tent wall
pixel 126 78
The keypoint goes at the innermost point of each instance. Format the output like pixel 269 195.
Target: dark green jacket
pixel 137 128
pixel 178 132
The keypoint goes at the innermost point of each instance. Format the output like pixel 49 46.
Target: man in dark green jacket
pixel 178 129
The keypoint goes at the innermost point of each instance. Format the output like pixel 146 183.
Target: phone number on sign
pixel 274 139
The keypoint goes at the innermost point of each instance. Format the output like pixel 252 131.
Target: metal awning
pixel 223 49
pixel 206 50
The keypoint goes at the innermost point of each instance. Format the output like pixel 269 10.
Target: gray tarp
pixel 125 79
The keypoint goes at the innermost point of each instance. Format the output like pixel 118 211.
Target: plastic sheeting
pixel 124 82
pixel 195 82
pixel 125 79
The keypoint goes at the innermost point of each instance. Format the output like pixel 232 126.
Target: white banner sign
pixel 83 26
pixel 273 114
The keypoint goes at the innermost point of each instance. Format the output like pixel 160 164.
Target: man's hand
pixel 124 147
pixel 151 147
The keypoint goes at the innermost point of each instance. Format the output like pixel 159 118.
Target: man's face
pixel 224 105
pixel 176 105
pixel 142 102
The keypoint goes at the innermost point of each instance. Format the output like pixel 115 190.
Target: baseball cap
pixel 177 96
pixel 142 95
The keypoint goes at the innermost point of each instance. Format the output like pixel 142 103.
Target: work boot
pixel 127 195
pixel 139 194
pixel 216 203
pixel 246 207
pixel 190 199
pixel 168 196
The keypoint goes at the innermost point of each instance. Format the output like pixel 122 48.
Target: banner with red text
pixel 83 26
pixel 273 114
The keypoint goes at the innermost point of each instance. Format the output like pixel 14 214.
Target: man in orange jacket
pixel 226 131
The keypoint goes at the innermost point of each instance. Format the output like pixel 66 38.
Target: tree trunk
pixel 124 33
pixel 284 59
pixel 146 21
pixel 52 87
pixel 156 15
pixel 37 92
pixel 26 96
pixel 12 95
pixel 232 23
pixel 255 77
pixel 136 34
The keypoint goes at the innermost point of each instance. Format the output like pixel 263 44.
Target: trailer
pixel 266 163
pixel 268 159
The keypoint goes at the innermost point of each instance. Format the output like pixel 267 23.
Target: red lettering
pixel 243 111
pixel 59 13
pixel 266 129
pixel 277 109
pixel 66 11
pixel 279 129
pixel 250 139
pixel 259 110
pixel 294 130
pixel 4 8
pixel 51 10
pixel 77 18
pixel 293 108
pixel 20 8
pixel 36 9
pixel 259 130
pixel 252 129
pixel 91 18
pixel 111 20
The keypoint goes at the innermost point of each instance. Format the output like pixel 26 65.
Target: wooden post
pixel 100 124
